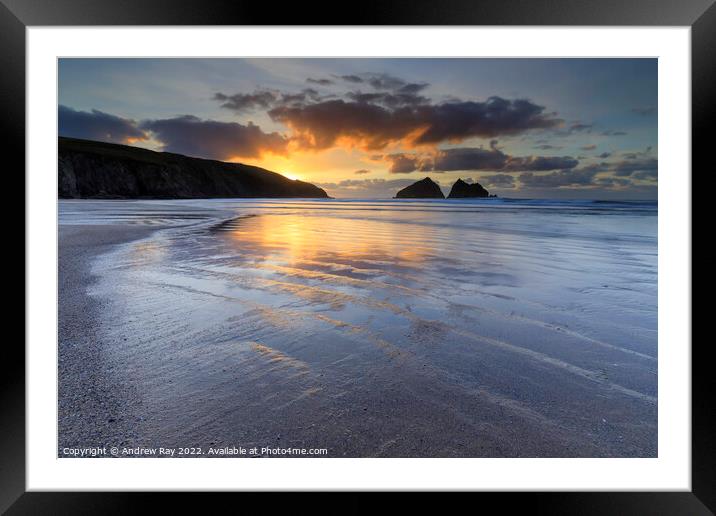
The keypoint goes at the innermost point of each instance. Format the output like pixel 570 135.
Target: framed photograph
pixel 426 251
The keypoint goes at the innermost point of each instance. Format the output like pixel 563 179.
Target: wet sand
pixel 93 408
pixel 361 335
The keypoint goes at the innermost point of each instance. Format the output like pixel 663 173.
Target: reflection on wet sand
pixel 424 331
pixel 334 243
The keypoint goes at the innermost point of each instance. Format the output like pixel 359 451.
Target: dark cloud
pixel 547 146
pixel 644 111
pixel 388 99
pixel 351 78
pixel 304 96
pixel 604 155
pixel 374 126
pixel 212 139
pixel 322 82
pixel 579 127
pixel 540 163
pixel 498 181
pixel 241 102
pixel 494 117
pixel 588 147
pixel 619 182
pixel 572 177
pixel 97 125
pixel 412 88
pixel 406 163
pixel 320 125
pixel 384 81
pixel 571 129
pixel 264 99
pixel 646 153
pixel 613 133
pixel 479 158
pixel 646 175
pixel 630 166
pixel 361 172
pixel 470 159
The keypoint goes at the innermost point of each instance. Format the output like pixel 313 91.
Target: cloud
pixel 384 81
pixel 646 175
pixel 618 182
pixel 540 163
pixel 646 153
pixel 613 133
pixel 457 121
pixel 377 188
pixel 498 181
pixel 392 111
pixel 241 102
pixel 470 159
pixel 361 172
pixel 372 126
pixel 264 99
pixel 644 111
pixel 629 167
pixel 388 99
pixel 572 177
pixel 475 158
pixel 604 155
pixel 212 139
pixel 580 127
pixel 412 88
pixel 547 146
pixel 97 125
pixel 405 163
pixel 351 78
pixel 321 125
pixel 321 82
pixel 588 147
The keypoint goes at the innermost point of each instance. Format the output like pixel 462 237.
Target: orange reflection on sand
pixel 301 239
pixel 145 252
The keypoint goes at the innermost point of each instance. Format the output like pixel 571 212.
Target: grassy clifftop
pixel 91 169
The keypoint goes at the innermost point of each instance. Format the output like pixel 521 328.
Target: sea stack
pixel 423 189
pixel 462 190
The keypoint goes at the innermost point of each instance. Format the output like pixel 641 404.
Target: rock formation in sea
pixel 90 169
pixel 462 190
pixel 423 189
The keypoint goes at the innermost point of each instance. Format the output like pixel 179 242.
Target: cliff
pixel 461 190
pixel 423 189
pixel 89 169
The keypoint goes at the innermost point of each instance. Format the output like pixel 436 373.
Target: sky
pixel 364 128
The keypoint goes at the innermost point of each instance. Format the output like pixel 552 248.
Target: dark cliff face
pixel 423 189
pixel 89 169
pixel 461 190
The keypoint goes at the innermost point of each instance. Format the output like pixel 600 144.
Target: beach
pixel 462 328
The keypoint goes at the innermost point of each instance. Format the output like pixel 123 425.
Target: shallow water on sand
pixel 385 328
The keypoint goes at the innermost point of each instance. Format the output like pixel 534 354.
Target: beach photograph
pixel 357 257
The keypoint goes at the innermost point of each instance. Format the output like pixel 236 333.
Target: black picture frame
pixel 17 15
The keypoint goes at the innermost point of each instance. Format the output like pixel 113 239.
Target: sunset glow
pixel 583 128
